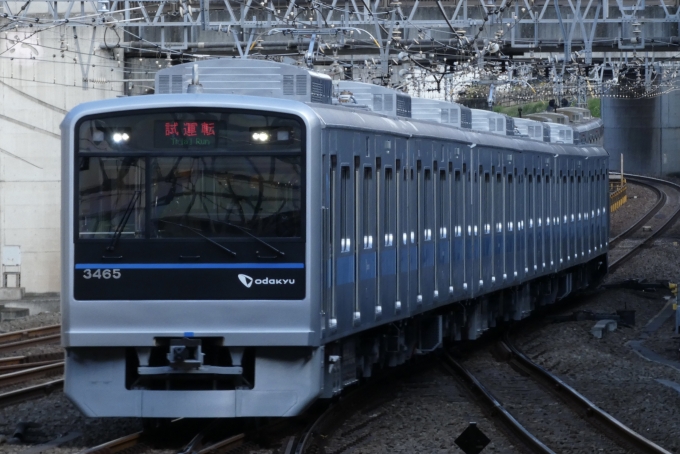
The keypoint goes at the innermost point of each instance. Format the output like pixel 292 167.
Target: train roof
pixel 325 115
pixel 343 117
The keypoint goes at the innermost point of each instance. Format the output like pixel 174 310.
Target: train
pixel 256 236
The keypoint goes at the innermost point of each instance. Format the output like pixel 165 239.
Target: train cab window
pixel 180 174
pixel 111 197
pixel 260 193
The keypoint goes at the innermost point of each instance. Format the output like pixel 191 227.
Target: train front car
pixel 186 288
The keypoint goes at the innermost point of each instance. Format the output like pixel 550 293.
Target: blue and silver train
pixel 256 236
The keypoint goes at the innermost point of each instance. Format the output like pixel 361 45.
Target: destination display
pixel 185 134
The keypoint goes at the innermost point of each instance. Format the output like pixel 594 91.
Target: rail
pixel 32 373
pixel 29 333
pixel 498 411
pixel 667 201
pixel 589 408
pixel 31 392
pixel 117 445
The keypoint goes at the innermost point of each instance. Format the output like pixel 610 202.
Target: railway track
pixel 17 340
pixel 651 225
pixel 16 370
pixel 540 410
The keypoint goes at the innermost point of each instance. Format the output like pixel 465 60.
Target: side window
pixel 345 209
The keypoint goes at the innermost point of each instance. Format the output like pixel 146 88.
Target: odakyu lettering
pixel 249 281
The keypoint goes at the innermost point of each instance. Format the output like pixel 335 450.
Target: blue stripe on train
pixel 187 266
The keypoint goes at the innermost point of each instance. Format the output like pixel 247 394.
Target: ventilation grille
pixel 176 83
pixel 454 116
pixel 301 85
pixel 322 90
pixel 403 106
pixel 546 133
pixel 389 103
pixel 445 115
pixel 509 126
pixel 377 103
pixel 289 85
pixel 169 84
pixel 465 118
pixel 163 84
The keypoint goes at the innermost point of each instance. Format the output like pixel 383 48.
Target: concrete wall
pixel 646 131
pixel 41 78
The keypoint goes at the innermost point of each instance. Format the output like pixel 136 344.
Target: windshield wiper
pixel 245 230
pixel 198 232
pixel 123 221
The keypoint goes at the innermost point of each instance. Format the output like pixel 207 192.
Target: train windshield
pixel 184 175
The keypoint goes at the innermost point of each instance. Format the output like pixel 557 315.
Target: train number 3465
pixel 101 274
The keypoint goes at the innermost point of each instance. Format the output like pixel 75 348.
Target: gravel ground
pixel 33 321
pixel 428 412
pixel 640 200
pixel 607 370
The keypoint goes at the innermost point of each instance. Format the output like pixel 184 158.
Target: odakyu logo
pixel 249 281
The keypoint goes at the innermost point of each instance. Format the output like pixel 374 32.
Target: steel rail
pixel 30 374
pixel 645 217
pixel 29 333
pixel 228 443
pixel 31 392
pixel 660 230
pixel 116 445
pixel 11 346
pixel 23 366
pixel 589 408
pixel 11 360
pixel 498 411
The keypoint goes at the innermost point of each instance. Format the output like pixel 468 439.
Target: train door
pixel 402 241
pixel 330 168
pixel 342 308
pixel 510 222
pixel 562 215
pixel 365 230
pixel 386 224
pixel 426 216
pixel 604 202
pixel 414 297
pixel 521 210
pixel 498 221
pixel 443 225
pixel 485 210
pixel 592 189
pixel 472 255
pixel 531 218
pixel 573 208
pixel 578 212
pixel 550 208
pixel 458 184
pixel 538 221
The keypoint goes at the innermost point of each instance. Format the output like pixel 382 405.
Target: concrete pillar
pixel 646 131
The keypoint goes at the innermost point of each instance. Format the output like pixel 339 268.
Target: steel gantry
pixel 593 36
